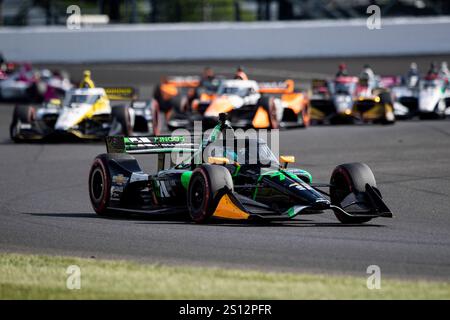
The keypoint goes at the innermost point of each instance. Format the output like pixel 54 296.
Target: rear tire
pixel 122 115
pixel 206 187
pixel 100 185
pixel 348 178
pixel 100 178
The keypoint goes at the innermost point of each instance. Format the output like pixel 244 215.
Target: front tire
pixel 179 104
pixel 268 103
pixel 22 114
pixel 121 114
pixel 156 118
pixel 349 178
pixel 389 116
pixel 305 117
pixel 207 185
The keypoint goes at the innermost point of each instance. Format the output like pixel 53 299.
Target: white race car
pixel 426 98
pixel 34 85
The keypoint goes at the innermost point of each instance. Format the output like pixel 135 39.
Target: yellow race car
pixel 86 113
pixel 347 99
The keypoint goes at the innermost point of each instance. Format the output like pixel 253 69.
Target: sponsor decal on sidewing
pixel 119 179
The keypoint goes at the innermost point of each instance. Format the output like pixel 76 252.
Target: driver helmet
pixel 367 73
pixel 208 74
pixel 342 67
pixel 432 72
pixel 46 74
pixel 240 74
pixel 342 70
pixel 367 68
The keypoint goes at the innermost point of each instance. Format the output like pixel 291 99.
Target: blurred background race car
pixel 24 83
pixel 349 99
pixel 183 99
pixel 28 84
pixel 248 103
pixel 174 94
pixel 85 113
pixel 426 96
pixel 6 67
pixel 260 104
pixel 373 102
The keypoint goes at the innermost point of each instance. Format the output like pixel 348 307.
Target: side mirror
pixel 285 160
pixel 218 160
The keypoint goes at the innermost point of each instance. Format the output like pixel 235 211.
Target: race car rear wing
pixel 184 81
pixel 319 86
pixel 318 83
pixel 389 81
pixel 121 93
pixel 277 87
pixel 150 144
pixel 160 145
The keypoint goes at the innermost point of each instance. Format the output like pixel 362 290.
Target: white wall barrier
pixel 186 41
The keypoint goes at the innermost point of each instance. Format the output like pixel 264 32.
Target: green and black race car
pixel 225 176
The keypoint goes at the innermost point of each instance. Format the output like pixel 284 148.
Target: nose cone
pixel 343 103
pixel 71 116
pixel 298 191
pixel 219 105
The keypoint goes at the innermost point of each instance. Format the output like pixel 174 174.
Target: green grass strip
pixel 44 277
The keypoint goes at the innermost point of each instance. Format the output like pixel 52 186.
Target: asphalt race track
pixel 44 202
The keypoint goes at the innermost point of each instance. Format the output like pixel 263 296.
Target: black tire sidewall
pixel 122 115
pixel 100 165
pixel 217 180
pixel 179 104
pixel 200 214
pixel 24 114
pixel 352 177
pixel 268 103
pixel 156 118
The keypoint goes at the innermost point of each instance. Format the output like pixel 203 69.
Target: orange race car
pixel 248 104
pixel 174 94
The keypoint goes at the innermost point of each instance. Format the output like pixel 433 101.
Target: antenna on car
pixel 223 117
